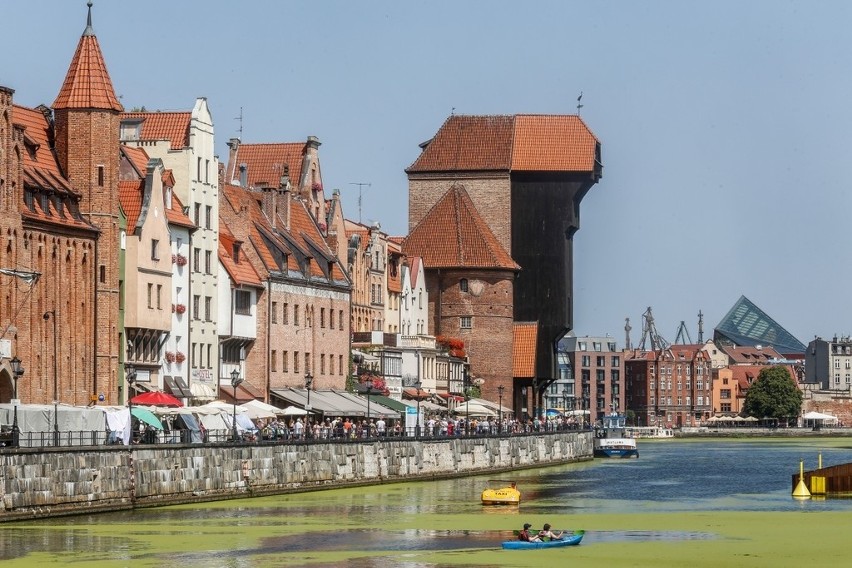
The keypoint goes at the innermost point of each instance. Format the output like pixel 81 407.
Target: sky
pixel 724 126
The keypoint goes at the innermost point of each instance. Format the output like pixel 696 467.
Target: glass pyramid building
pixel 746 325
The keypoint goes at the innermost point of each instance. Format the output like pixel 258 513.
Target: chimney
pixel 233 147
pixel 284 190
pixel 269 204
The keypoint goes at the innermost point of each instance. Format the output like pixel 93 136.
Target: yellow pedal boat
pixel 501 492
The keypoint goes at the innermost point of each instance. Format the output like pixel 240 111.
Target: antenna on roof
pixel 360 187
pixel 579 106
pixel 240 118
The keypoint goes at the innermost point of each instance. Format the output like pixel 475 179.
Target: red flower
pixel 180 357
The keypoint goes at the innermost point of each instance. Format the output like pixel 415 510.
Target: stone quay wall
pixel 48 482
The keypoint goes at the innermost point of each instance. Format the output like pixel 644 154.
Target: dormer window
pixel 168 197
pixel 235 252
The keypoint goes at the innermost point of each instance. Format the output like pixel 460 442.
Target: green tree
pixel 773 395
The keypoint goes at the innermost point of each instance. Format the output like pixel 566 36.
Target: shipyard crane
pixel 650 333
pixel 682 337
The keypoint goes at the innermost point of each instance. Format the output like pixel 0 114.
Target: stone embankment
pixel 47 482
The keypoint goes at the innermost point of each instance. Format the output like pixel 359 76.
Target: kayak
pixel 566 540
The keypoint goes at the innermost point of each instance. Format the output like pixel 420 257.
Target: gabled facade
pixel 238 303
pixel 414 299
pixel 184 141
pixel 303 314
pixel 147 279
pixel 393 273
pixel 367 259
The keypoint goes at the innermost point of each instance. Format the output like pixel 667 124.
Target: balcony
pixel 417 341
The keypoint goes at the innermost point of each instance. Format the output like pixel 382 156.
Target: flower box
pixel 179 308
pixel 180 260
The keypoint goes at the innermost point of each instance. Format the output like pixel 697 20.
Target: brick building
pixel 469 279
pixel 60 218
pixel 303 313
pixel 524 176
pixel 669 387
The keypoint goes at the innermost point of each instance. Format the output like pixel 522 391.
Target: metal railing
pixel 321 434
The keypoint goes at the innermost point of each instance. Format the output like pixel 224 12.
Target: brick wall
pixel 490 194
pixel 489 303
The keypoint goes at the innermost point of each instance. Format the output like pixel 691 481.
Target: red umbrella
pixel 156 398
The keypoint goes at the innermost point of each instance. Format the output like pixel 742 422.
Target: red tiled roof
pixel 41 171
pixel 138 158
pixel 452 234
pixel 525 340
pixel 555 143
pixel 242 272
pixel 750 354
pixel 171 126
pixel 265 163
pixel 467 143
pixel 303 235
pixel 87 84
pixel 552 143
pixel 130 197
pixel 175 214
pixel 415 268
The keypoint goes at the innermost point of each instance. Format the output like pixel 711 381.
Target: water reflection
pixel 670 476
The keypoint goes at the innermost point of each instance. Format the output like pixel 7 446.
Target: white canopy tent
pixel 477 410
pixel 820 417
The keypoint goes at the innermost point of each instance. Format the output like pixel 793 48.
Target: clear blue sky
pixel 725 125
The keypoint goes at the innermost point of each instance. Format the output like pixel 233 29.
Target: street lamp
pixel 130 377
pixel 417 385
pixel 500 404
pixel 309 380
pixel 235 382
pixel 369 385
pixel 47 315
pixel 17 372
pixel 466 402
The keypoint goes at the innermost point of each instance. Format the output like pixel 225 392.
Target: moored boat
pixel 611 440
pixel 566 540
pixel 501 492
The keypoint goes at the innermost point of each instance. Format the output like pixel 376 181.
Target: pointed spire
pixel 87 84
pixel 89 31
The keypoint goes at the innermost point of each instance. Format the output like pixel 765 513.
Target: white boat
pixel 648 432
pixel 611 440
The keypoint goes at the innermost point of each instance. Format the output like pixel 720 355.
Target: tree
pixel 774 395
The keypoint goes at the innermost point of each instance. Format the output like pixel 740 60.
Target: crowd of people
pixel 434 425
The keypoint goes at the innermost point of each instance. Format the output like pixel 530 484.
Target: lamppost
pixel 500 404
pixel 369 385
pixel 130 377
pixel 235 382
pixel 466 402
pixel 17 372
pixel 47 315
pixel 417 385
pixel 309 380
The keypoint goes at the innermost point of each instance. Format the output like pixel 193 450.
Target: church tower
pixel 86 114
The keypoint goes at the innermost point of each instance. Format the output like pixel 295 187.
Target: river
pixel 346 527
